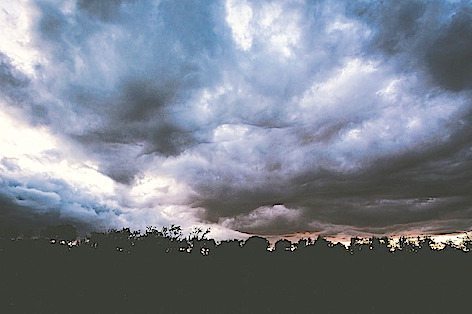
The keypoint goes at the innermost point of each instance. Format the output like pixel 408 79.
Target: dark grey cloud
pixel 15 89
pixel 28 207
pixel 106 10
pixel 12 81
pixel 133 116
pixel 263 117
pixel 158 52
pixel 450 56
pixel 10 78
pixel 430 35
pixel 428 184
pixel 16 219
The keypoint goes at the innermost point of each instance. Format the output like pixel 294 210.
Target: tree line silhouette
pixel 161 271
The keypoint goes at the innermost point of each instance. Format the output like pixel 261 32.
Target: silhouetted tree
pixel 256 245
pixel 283 246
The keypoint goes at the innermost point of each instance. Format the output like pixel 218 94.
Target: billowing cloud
pixel 245 116
pixel 431 35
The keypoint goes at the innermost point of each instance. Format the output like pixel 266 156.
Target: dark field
pixel 159 272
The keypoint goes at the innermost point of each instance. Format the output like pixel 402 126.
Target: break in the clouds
pixel 346 117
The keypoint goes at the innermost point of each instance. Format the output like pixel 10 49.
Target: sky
pixel 246 117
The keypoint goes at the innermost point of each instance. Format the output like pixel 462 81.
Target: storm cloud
pixel 256 117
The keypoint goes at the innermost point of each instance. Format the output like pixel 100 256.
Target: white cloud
pixel 15 21
pixel 239 17
pixel 262 217
pixel 35 150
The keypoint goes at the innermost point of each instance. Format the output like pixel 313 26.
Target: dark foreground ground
pixel 121 272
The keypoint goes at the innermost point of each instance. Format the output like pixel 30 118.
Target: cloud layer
pixel 260 117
